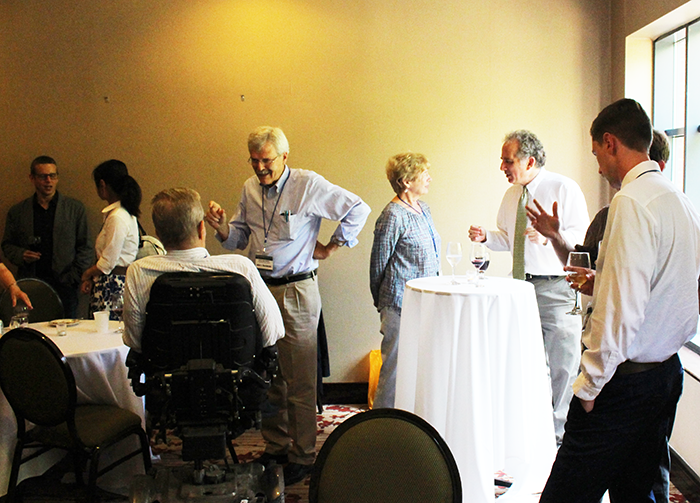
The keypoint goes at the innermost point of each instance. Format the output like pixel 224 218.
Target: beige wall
pixel 159 84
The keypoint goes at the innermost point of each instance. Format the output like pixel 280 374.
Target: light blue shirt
pixel 406 246
pixel 293 210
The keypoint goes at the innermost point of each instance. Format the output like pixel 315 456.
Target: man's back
pixel 142 274
pixel 648 269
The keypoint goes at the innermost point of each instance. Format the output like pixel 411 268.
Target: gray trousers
pixel 562 342
pixel 386 387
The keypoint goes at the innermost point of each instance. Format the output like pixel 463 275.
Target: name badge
pixel 263 262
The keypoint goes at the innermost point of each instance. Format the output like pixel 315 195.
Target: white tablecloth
pixel 97 361
pixel 471 362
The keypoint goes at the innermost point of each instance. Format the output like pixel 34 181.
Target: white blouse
pixel 118 241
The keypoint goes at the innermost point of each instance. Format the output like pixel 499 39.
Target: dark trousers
pixel 69 297
pixel 618 445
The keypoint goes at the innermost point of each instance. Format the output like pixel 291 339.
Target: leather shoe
pixel 266 459
pixel 294 472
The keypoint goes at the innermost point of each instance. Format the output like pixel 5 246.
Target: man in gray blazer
pixel 46 235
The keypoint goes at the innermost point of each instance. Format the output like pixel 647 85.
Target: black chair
pixel 386 455
pixel 40 387
pixel 206 372
pixel 46 302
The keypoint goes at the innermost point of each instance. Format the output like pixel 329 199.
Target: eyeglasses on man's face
pixel 264 162
pixel 45 176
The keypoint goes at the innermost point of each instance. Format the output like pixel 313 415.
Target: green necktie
pixel 519 238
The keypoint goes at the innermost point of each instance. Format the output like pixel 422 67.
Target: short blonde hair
pixel 405 168
pixel 176 214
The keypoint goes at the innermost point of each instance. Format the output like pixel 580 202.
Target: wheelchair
pixel 204 374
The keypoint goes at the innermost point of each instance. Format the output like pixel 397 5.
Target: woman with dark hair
pixel 118 241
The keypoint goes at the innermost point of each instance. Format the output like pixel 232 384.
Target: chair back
pixel 386 455
pixel 200 348
pixel 35 378
pixel 198 316
pixel 46 302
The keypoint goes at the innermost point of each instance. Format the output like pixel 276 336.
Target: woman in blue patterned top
pixel 406 246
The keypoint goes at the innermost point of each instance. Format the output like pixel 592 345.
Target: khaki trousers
pixel 293 429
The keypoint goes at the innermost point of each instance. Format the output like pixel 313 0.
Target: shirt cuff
pixel 583 389
pixel 338 241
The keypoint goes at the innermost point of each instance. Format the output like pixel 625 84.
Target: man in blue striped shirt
pixel 278 219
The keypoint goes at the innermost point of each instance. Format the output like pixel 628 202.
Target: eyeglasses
pixel 46 176
pixel 264 162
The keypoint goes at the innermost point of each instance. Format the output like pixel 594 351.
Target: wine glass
pixel 116 306
pixel 480 258
pixel 35 243
pixel 454 256
pixel 578 259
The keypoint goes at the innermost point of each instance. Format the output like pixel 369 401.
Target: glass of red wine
pixel 480 260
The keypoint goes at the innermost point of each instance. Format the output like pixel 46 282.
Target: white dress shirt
pixel 142 274
pixel 294 207
pixel 118 241
pixel 645 299
pixel 546 187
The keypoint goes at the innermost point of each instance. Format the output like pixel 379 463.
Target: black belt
pixel 285 280
pixel 629 367
pixel 529 277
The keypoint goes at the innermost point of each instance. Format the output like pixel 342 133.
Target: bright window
pixel 677 108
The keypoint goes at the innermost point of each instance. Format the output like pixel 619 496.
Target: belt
pixel 120 269
pixel 529 277
pixel 285 280
pixel 629 367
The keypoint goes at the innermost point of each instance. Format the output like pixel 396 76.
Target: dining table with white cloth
pixel 98 364
pixel 471 362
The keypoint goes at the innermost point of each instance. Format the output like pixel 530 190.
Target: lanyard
pixel 647 171
pixel 266 229
pixel 432 236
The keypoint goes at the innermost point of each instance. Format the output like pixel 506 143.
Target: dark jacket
pixel 72 254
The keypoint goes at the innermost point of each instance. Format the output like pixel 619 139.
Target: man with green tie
pixel 535 260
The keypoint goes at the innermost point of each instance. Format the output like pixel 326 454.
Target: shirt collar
pixel 534 183
pixel 113 206
pixel 278 186
pixel 639 170
pixel 188 255
pixel 53 202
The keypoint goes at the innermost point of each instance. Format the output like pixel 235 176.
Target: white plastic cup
pixel 101 321
pixel 60 328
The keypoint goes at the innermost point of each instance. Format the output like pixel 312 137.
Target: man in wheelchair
pixel 202 331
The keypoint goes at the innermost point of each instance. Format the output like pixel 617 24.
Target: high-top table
pixel 98 364
pixel 471 362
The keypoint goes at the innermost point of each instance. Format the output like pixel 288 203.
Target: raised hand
pixel 477 234
pixel 216 218
pixel 545 224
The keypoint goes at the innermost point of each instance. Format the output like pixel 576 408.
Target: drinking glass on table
pixel 453 255
pixel 20 316
pixel 578 259
pixel 480 260
pixel 117 307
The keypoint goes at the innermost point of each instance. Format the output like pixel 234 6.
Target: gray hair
pixel 176 214
pixel 528 146
pixel 268 134
pixel 405 168
pixel 659 150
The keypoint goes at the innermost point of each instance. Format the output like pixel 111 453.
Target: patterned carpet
pixel 48 489
pixel 250 445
